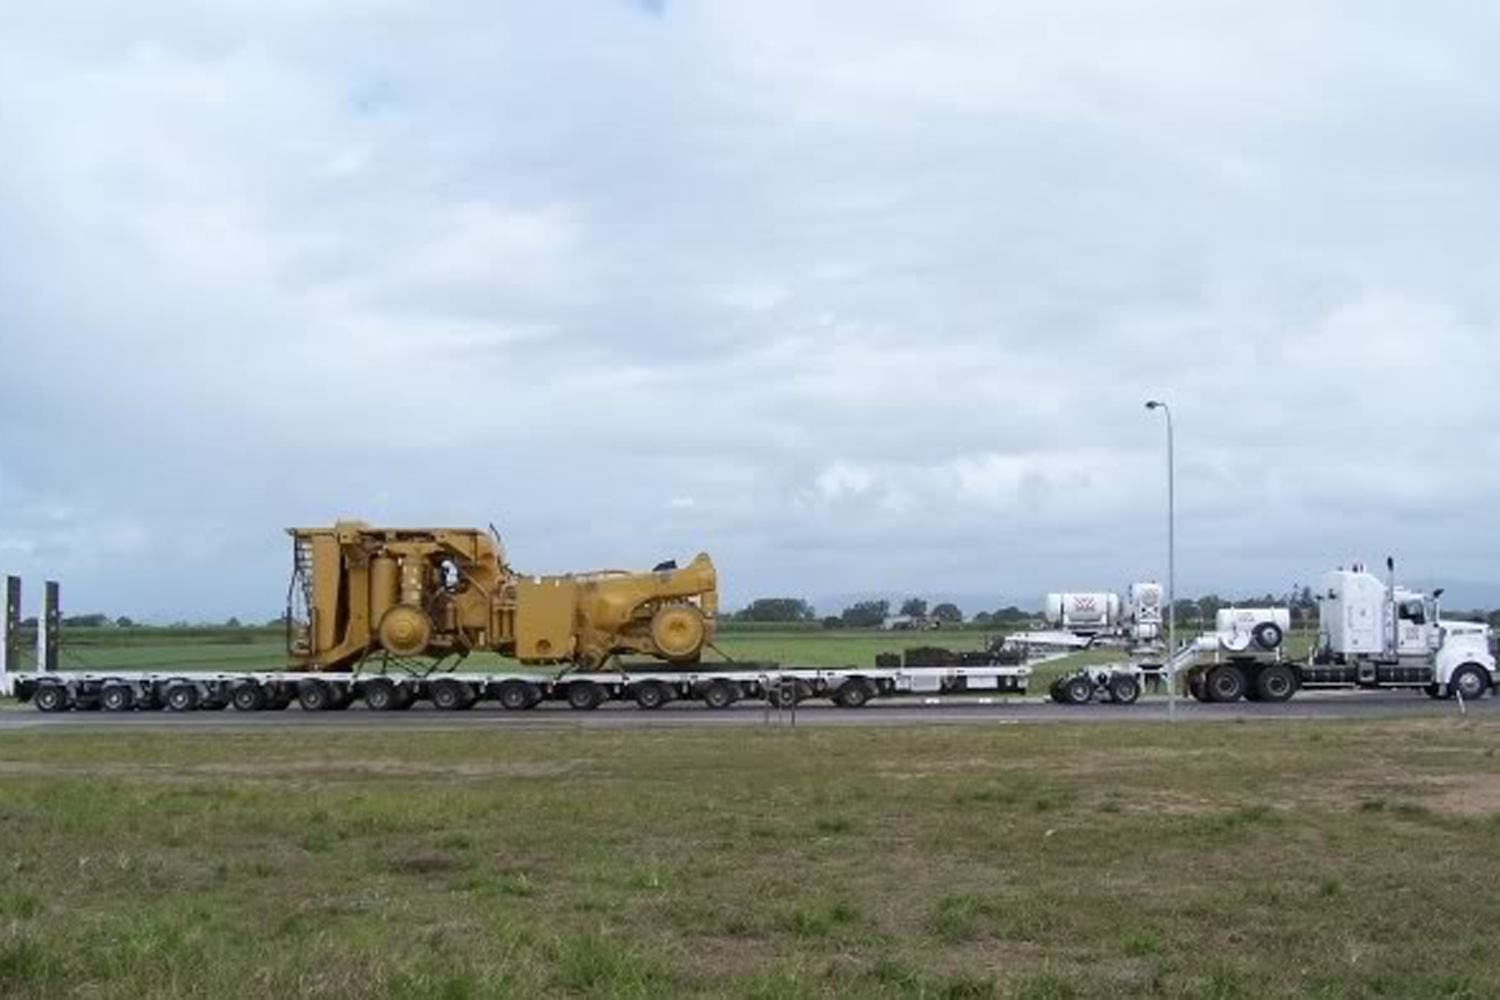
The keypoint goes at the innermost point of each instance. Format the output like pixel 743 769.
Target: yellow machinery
pixel 359 591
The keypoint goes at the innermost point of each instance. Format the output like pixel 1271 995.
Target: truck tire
pixel 313 696
pixel 652 695
pixel 585 696
pixel 855 693
pixel 1275 683
pixel 248 697
pixel 381 695
pixel 1196 687
pixel 1434 691
pixel 1078 690
pixel 1470 681
pixel 51 698
pixel 1124 689
pixel 517 696
pixel 117 698
pixel 182 697
pixel 1225 683
pixel 1267 635
pixel 451 696
pixel 720 695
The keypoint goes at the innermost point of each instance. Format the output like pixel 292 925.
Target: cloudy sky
pixel 854 295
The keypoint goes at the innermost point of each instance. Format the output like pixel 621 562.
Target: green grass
pixel 1197 860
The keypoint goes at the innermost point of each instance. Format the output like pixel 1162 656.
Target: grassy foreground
pixel 1213 860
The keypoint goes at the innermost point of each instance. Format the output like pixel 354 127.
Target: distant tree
pixel 914 607
pixel 125 622
pixel 29 622
pixel 232 623
pixel 983 618
pixel 1495 619
pixel 86 621
pixel 1011 615
pixel 278 621
pixel 777 609
pixel 833 621
pixel 867 614
pixel 948 613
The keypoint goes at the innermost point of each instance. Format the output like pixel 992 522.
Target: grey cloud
pixel 854 296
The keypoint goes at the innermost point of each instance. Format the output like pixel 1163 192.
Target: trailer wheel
pixel 1055 691
pixel 1267 635
pixel 182 698
pixel 248 697
pixel 1225 683
pixel 314 696
pixel 117 698
pixel 585 696
pixel 1276 683
pixel 1470 682
pixel 381 695
pixel 720 694
pixel 854 693
pixel 1078 690
pixel 451 696
pixel 1124 689
pixel 51 698
pixel 517 696
pixel 652 695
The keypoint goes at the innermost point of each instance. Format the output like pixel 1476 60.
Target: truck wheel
pixel 854 694
pixel 51 698
pixel 1078 690
pixel 1124 689
pixel 117 698
pixel 1196 687
pixel 381 696
pixel 1470 682
pixel 249 697
pixel 1225 683
pixel 182 698
pixel 719 695
pixel 1434 691
pixel 517 696
pixel 1276 683
pixel 652 695
pixel 313 696
pixel 451 696
pixel 585 695
pixel 1055 691
pixel 1267 635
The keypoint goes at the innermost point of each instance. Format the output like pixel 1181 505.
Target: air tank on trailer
pixel 1083 613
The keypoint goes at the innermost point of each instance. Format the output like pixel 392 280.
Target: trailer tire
pixel 1124 689
pixel 720 695
pixel 451 696
pixel 854 693
pixel 1078 690
pixel 51 698
pixel 1275 683
pixel 248 697
pixel 314 696
pixel 585 696
pixel 517 696
pixel 1267 635
pixel 117 698
pixel 382 695
pixel 1469 681
pixel 1225 683
pixel 652 695
pixel 181 697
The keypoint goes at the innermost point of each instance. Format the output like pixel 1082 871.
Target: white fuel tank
pixel 1082 612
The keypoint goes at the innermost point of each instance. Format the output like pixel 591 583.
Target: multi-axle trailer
pixel 848 687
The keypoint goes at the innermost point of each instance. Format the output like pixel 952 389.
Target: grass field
pixel 1203 860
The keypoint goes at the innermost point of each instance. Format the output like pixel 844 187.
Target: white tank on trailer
pixel 1082 612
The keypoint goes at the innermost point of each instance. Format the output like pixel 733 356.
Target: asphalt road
pixel 895 712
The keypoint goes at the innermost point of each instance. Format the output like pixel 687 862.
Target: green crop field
pixel 1058 861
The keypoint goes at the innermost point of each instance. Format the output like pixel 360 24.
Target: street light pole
pixel 1156 404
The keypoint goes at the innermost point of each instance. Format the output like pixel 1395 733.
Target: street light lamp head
pixel 1152 404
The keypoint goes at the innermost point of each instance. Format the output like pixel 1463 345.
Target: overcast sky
pixel 853 295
